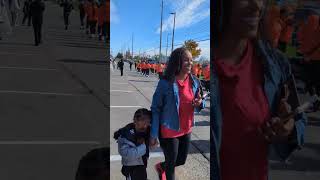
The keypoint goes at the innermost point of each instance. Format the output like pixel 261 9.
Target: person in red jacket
pixel 102 20
pixel 92 11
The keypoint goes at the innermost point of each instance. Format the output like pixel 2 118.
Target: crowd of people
pixel 94 16
pixel 287 28
pixel 200 71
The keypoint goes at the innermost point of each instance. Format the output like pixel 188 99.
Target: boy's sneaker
pixel 161 172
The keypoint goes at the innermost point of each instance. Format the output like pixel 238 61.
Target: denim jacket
pixel 276 72
pixel 165 105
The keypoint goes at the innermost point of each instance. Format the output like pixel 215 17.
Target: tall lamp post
pixel 174 24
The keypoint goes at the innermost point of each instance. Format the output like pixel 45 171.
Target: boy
pixel 133 145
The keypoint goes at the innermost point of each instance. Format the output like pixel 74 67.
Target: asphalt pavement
pixel 53 106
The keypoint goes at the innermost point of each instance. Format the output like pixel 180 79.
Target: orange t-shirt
pixel 102 15
pixel 206 73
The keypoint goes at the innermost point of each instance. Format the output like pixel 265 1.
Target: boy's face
pixel 142 123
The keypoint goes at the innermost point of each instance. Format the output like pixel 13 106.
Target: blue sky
pixel 142 19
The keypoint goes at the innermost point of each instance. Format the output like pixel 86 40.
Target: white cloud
pixel 205 49
pixel 114 17
pixel 188 13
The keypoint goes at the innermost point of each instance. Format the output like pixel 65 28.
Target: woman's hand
pixel 153 143
pixel 279 128
pixel 198 100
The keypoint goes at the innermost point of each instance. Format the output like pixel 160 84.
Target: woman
pixel 5 27
pixel 173 104
pixel 248 75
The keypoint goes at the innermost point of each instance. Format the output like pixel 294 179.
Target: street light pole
pixel 161 30
pixel 174 24
pixel 132 47
pixel 167 46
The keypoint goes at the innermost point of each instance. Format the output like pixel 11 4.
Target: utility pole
pixel 174 25
pixel 167 46
pixel 132 47
pixel 161 30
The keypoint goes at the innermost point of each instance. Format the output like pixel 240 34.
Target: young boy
pixel 133 145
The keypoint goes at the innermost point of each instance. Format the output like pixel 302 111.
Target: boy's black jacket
pixel 130 134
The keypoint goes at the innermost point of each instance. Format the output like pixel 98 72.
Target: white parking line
pixel 151 155
pixel 121 91
pixel 17 54
pixel 41 93
pixel 33 69
pixel 118 83
pixel 47 142
pixel 125 106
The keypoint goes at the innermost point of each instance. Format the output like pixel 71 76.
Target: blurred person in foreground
pixel 248 105
pixel 94 165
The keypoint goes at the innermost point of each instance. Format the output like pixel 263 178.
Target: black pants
pixel 134 172
pixel 312 77
pixel 25 17
pixel 121 71
pixel 175 152
pixel 66 18
pixel 82 15
pixel 37 26
pixel 147 71
pixel 160 75
pixel 93 25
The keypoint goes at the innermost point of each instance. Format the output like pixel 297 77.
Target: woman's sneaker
pixel 161 172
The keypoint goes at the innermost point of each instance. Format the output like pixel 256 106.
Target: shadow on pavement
pixel 204 112
pixel 17 44
pixel 300 163
pixel 202 123
pixel 140 81
pixel 83 61
pixel 202 145
pixel 82 46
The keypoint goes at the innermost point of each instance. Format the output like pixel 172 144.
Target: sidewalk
pixel 133 91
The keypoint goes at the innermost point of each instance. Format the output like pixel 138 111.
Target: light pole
pixel 167 45
pixel 174 24
pixel 161 31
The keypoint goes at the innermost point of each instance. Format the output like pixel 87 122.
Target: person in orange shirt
pixel 148 69
pixel 102 20
pixel 309 39
pixel 160 69
pixel 195 69
pixel 199 72
pixel 143 67
pixel 286 28
pixel 206 74
pixel 273 25
pixel 92 11
pixel 86 11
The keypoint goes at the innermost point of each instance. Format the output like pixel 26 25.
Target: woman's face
pixel 186 63
pixel 245 17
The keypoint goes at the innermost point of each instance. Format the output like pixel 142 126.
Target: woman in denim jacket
pixel 248 76
pixel 177 95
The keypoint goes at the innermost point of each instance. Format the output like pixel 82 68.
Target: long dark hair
pixel 174 64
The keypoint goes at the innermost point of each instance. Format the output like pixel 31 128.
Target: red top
pixel 243 153
pixel 186 111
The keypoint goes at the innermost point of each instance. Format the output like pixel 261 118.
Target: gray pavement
pixel 53 106
pixel 131 91
pixel 304 163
